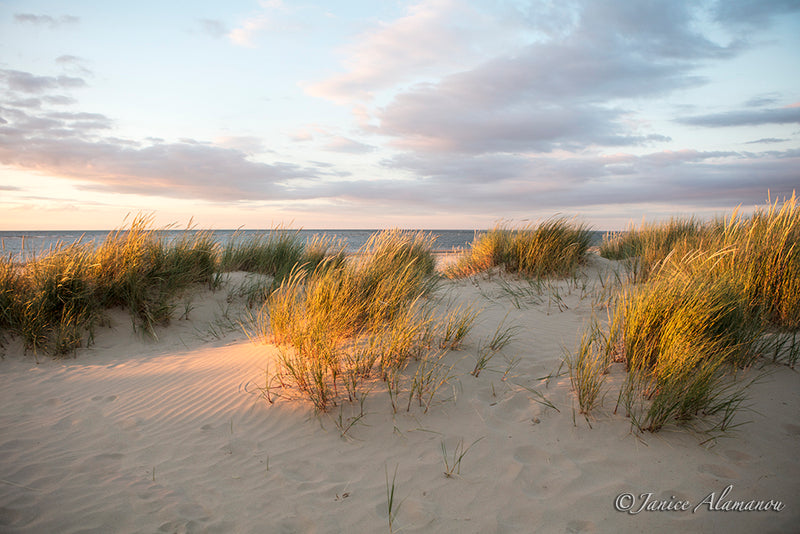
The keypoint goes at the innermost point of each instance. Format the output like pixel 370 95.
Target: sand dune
pixel 172 436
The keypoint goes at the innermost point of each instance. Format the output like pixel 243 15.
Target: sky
pixel 429 114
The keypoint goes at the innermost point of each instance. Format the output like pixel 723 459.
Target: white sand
pixel 137 436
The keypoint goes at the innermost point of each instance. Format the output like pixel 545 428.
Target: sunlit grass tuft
pixel 556 248
pixel 683 338
pixel 705 301
pixel 644 247
pixel 55 300
pixel 345 323
pixel 589 368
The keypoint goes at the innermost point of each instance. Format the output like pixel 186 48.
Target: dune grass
pixel 55 300
pixel 555 248
pixel 391 504
pixel 683 340
pixel 137 268
pixel 644 247
pixel 708 300
pixel 452 462
pixel 278 252
pixel 8 283
pixel 766 262
pixel 488 348
pixel 368 318
pixel 589 368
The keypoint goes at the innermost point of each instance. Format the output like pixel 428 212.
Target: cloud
pixel 73 64
pixel 213 27
pixel 274 17
pixel 244 35
pixel 530 128
pixel 436 121
pixel 301 136
pixel 68 59
pixel 513 185
pixel 26 103
pixel 45 20
pixel 441 37
pixel 767 140
pixel 787 115
pixel 434 37
pixel 26 82
pixel 554 89
pixel 535 108
pixel 247 144
pixel 177 170
pixel 753 12
pixel 70 144
pixel 762 100
pixel 349 146
pixel 547 96
pixel 59 100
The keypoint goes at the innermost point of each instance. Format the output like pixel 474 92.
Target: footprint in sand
pixel 719 471
pixel 109 456
pixel 182 526
pixel 295 524
pixel 579 526
pixel 529 454
pixel 792 430
pixel 18 516
pixel 738 456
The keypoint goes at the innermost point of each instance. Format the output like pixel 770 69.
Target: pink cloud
pixel 435 37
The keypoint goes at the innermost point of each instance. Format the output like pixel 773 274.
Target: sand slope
pixel 138 436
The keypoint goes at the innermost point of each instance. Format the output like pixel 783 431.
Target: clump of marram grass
pixel 137 268
pixel 54 301
pixel 8 290
pixel 343 324
pixel 390 252
pixel 452 463
pixel 489 348
pixel 644 247
pixel 589 368
pixel 659 236
pixel 457 325
pixel 721 296
pixel 274 253
pixel 766 261
pixel 762 255
pixel 556 247
pixel 323 249
pixel 682 340
pixel 279 252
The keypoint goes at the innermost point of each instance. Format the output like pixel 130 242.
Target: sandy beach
pixel 173 435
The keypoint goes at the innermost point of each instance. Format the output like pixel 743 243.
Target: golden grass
pixel 555 248
pixel 698 308
pixel 343 324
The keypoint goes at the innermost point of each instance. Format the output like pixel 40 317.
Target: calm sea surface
pixel 20 244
